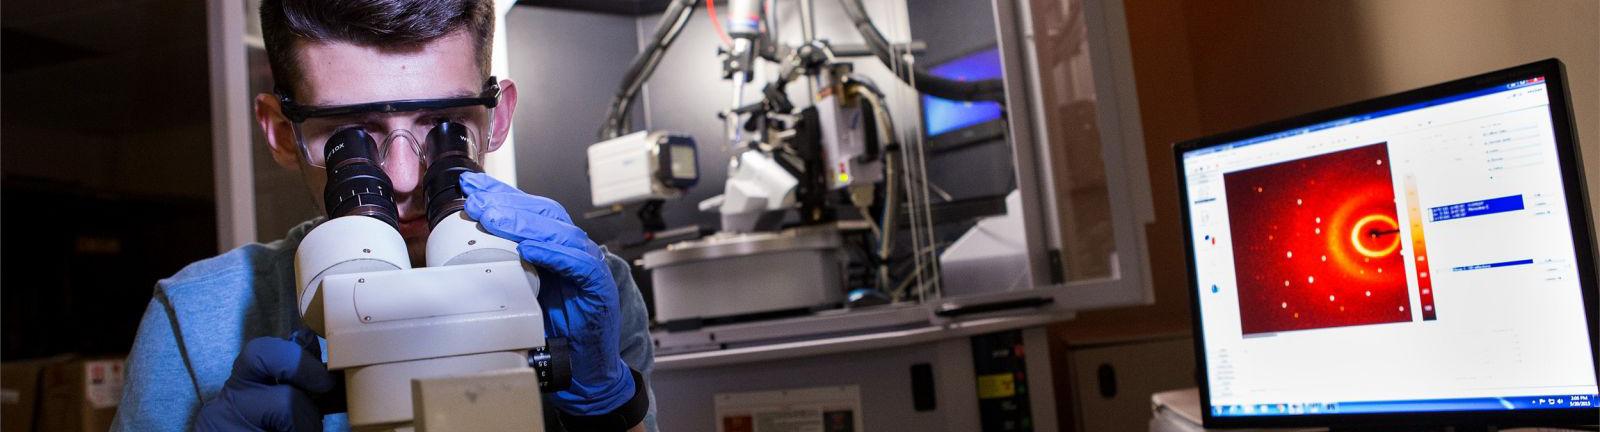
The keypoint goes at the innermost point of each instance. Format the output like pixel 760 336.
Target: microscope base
pixel 381 394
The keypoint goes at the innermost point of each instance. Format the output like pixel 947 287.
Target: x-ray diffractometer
pixel 847 214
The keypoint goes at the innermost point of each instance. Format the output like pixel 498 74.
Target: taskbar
pixel 1408 406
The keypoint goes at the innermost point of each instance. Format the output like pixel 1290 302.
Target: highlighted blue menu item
pixel 1493 265
pixel 1477 208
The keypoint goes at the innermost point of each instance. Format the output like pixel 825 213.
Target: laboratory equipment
pixel 1424 259
pixel 642 166
pixel 755 306
pixel 391 328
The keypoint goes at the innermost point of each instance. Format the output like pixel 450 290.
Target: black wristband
pixel 620 419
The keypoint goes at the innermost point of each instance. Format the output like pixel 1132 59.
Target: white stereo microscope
pixel 432 348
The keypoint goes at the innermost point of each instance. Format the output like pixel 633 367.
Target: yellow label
pixel 996 386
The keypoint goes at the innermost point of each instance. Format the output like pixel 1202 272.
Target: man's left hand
pixel 577 291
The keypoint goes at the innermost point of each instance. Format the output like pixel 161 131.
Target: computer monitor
pixel 1425 258
pixel 942 116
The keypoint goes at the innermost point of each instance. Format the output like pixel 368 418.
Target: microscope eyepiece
pixel 356 185
pixel 450 153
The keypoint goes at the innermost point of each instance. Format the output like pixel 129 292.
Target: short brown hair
pixel 377 23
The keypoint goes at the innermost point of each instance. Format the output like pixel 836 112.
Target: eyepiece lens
pixel 356 185
pixel 450 155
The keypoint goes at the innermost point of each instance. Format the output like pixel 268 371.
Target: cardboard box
pixel 19 392
pixel 62 394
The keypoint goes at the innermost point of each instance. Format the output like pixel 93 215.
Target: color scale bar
pixel 1419 249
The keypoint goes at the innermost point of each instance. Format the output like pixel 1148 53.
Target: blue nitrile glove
pixel 577 293
pixel 271 387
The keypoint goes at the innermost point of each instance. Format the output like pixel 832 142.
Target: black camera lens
pixel 356 185
pixel 449 156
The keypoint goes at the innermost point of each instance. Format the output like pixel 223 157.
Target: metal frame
pixel 1027 135
pixel 230 119
pixel 488 97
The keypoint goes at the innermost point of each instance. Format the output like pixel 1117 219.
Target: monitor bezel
pixel 1582 225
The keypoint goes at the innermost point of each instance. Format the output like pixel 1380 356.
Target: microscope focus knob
pixel 553 364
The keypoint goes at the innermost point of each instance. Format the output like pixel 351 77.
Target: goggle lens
pixel 413 128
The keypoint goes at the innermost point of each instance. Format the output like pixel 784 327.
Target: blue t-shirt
pixel 200 318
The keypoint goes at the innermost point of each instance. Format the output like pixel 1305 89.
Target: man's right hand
pixel 271 388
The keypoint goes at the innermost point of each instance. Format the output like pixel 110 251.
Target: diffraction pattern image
pixel 1317 242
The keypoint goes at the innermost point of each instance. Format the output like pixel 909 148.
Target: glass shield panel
pixel 1071 116
pixel 1017 188
pixel 1069 120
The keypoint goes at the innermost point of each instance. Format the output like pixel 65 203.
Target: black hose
pixel 644 65
pixel 985 90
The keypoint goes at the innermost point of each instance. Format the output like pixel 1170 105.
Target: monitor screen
pixel 1416 258
pixel 943 115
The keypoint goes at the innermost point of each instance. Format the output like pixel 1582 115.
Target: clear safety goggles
pixel 391 121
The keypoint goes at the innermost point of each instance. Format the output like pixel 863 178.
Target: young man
pixel 221 345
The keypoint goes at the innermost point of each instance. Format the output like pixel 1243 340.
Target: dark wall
pixel 951 28
pixel 567 65
pixel 80 265
pixel 106 164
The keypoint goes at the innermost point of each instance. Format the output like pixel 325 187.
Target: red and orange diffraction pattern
pixel 1317 243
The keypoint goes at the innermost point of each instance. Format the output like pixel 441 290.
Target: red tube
pixel 716 23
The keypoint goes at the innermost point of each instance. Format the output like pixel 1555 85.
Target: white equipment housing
pixel 756 185
pixel 993 255
pixel 717 276
pixel 628 169
pixel 844 143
